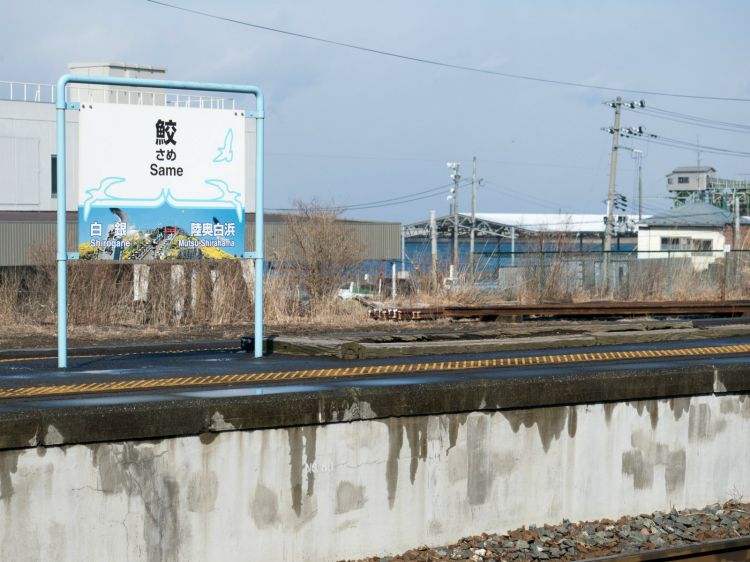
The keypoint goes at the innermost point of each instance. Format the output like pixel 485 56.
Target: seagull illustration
pixel 119 213
pixel 226 154
pixel 98 193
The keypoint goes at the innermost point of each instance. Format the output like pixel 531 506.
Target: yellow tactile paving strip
pixel 396 369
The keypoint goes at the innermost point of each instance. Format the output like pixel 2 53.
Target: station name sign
pixel 160 182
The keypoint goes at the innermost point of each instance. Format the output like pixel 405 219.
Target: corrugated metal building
pixel 28 237
pixel 28 190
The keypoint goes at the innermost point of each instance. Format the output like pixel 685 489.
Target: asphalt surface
pixel 198 373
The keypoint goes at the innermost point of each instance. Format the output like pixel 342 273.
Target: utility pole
pixel 609 227
pixel 736 244
pixel 456 177
pixel 640 187
pixel 433 248
pixel 473 216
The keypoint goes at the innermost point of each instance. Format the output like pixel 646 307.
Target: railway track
pixel 728 550
pixel 566 310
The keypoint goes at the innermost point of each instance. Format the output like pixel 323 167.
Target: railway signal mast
pixel 453 198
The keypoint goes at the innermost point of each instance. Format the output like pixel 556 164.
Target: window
pixel 702 245
pixel 685 244
pixel 683 179
pixel 53 175
pixel 670 181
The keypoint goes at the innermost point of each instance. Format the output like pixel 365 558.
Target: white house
pixel 696 230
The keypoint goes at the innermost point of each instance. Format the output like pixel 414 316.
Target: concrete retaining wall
pixel 346 490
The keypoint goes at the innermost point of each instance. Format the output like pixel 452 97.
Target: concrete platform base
pixel 374 486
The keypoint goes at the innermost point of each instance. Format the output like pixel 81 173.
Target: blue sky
pixel 349 127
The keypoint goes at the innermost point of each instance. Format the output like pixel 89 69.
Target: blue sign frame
pixel 63 255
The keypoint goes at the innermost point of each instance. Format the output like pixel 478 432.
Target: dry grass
pixel 216 298
pixel 184 294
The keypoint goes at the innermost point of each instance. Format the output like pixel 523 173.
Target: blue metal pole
pixel 259 241
pixel 62 319
pixel 62 255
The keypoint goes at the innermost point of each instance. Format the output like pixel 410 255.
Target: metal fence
pixel 568 276
pixel 45 93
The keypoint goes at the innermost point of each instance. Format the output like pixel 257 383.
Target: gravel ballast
pixel 593 539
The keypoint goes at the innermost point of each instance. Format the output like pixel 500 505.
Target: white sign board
pixel 160 182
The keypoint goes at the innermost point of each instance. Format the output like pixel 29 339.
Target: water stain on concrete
pixel 8 466
pixel 434 527
pixel 503 463
pixel 455 421
pixel 729 405
pixel 572 421
pixel 609 407
pixel 202 492
pixel 134 469
pixel 701 424
pixel 264 508
pixel 549 422
pixel 208 437
pixel 294 435
pixel 301 439
pixel 650 406
pixel 679 406
pixel 395 442
pixel 674 470
pixel 640 461
pixel 416 435
pixel 349 497
pixel 633 464
pixel 480 476
pixel 738 405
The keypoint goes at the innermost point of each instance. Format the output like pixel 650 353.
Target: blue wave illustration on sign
pixel 226 154
pixel 100 197
pixel 226 199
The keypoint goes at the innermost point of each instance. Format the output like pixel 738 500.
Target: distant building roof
pixel 694 214
pixel 692 170
pixel 549 222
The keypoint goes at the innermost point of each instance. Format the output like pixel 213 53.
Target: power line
pixel 692 117
pixel 440 63
pixel 675 143
pixel 697 122
pixel 419 159
pixel 531 198
pixel 408 198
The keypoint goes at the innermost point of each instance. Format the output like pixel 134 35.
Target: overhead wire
pixel 443 64
pixel 408 198
pixel 717 125
pixel 676 114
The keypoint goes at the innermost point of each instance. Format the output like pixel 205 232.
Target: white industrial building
pixel 28 160
pixel 28 151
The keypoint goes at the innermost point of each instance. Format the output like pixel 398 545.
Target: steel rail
pixel 726 550
pixel 568 310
